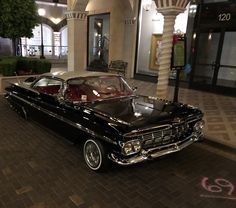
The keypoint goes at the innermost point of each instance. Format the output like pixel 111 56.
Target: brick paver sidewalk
pixel 40 169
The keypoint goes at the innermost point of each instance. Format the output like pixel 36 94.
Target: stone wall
pixel 6 81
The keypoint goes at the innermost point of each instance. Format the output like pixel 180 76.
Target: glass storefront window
pixel 213 51
pixel 32 46
pixel 227 70
pixel 150 33
pixel 64 41
pixel 98 47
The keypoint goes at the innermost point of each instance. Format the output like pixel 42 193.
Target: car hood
pixel 141 112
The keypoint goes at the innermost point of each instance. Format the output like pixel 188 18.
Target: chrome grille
pixel 165 136
pixel 159 137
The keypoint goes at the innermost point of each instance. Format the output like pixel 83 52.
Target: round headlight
pixel 131 147
pixel 128 148
pixel 136 146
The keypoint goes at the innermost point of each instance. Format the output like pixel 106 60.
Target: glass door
pixel 227 69
pixel 98 41
pixel 207 64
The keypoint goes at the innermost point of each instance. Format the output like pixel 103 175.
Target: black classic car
pixel 101 109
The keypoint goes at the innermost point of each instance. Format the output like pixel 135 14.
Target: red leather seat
pixel 72 93
pixel 80 93
pixel 50 90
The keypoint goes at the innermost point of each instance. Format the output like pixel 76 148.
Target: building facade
pixel 131 30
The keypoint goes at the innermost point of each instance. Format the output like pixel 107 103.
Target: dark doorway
pixel 214 62
pixel 207 58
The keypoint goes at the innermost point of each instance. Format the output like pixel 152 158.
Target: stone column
pixel 170 9
pixel 77 40
pixel 129 45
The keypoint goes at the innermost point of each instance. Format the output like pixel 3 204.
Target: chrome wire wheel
pixel 93 154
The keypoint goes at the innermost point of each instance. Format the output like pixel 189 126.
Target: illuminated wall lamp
pixel 210 36
pixel 147 4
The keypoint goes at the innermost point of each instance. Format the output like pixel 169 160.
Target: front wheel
pixel 95 155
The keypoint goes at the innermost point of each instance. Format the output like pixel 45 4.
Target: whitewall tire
pixel 94 155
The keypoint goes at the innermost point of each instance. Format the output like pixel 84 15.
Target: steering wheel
pixel 111 88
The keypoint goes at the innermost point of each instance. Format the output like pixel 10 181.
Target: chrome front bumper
pixel 156 152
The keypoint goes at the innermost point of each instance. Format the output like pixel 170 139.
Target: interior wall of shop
pixel 152 22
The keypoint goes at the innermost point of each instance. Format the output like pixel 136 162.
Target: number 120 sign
pixel 224 17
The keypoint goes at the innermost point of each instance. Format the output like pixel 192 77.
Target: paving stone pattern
pixel 40 169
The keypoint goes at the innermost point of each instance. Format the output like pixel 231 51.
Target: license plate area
pixel 153 139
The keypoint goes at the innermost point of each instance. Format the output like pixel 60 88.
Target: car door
pixel 58 116
pixel 45 104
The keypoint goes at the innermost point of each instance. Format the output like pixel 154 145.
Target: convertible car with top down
pixel 103 111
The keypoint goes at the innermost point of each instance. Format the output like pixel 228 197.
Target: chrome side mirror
pixel 134 89
pixel 60 98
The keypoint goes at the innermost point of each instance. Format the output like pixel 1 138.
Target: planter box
pixel 7 80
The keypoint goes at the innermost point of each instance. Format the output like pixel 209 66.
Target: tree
pixel 17 19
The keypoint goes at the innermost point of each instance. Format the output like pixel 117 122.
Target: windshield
pixel 96 88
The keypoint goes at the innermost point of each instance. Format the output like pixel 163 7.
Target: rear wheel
pixel 95 155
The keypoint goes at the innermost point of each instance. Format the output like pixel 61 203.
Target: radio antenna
pixel 17 78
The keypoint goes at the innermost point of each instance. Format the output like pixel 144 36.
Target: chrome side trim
pixel 193 120
pixel 61 118
pixel 155 152
pixel 25 113
pixel 26 87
